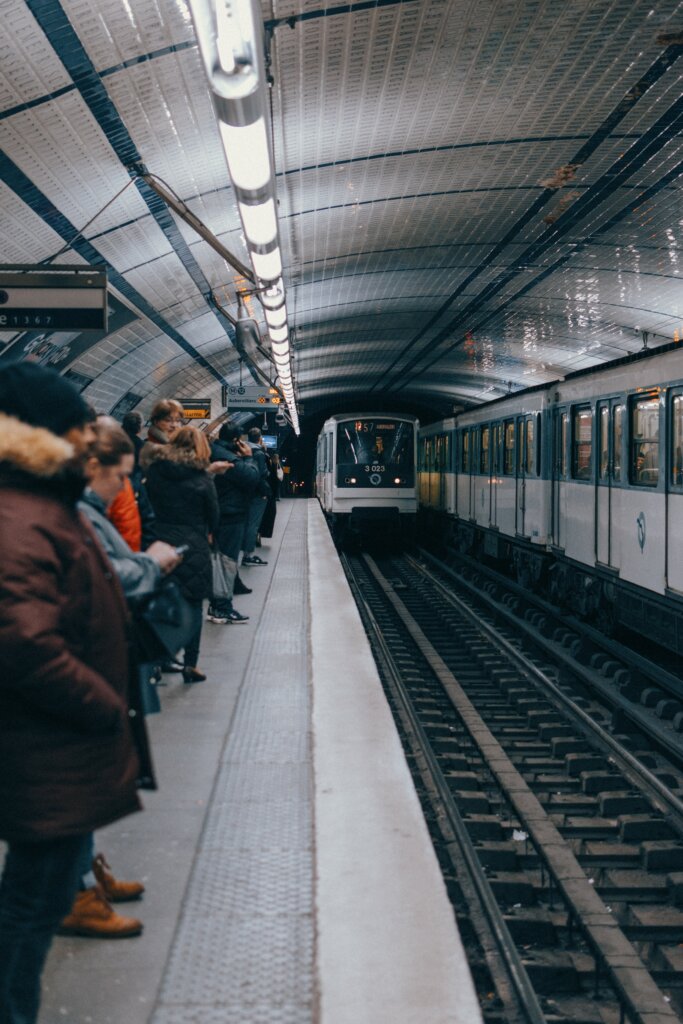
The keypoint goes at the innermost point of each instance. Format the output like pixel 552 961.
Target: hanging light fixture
pixel 230 37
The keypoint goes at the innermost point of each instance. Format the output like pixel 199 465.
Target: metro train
pixel 574 488
pixel 366 475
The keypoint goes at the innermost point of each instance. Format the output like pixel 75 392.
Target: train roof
pixel 587 371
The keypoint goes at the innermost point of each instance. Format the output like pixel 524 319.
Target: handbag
pixel 223 579
pixel 164 622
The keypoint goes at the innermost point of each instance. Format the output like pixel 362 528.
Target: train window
pixel 645 441
pixel 677 441
pixel 495 453
pixel 520 447
pixel 484 449
pixel 582 440
pixel 617 440
pixel 509 451
pixel 530 447
pixel 465 451
pixel 603 443
pixel 562 441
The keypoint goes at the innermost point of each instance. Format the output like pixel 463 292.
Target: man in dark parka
pixel 67 759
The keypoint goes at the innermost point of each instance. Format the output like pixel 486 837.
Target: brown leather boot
pixel 94 917
pixel 114 890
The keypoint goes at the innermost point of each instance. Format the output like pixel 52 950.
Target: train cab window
pixel 465 448
pixel 677 441
pixel 484 449
pixel 645 441
pixel 617 440
pixel 603 443
pixel 582 441
pixel 509 448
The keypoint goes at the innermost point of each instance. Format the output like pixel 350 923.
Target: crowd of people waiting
pixel 93 522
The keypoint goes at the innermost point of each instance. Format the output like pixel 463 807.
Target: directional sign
pixel 252 396
pixel 69 300
pixel 196 408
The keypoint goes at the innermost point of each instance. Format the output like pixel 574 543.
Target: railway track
pixel 561 847
pixel 644 696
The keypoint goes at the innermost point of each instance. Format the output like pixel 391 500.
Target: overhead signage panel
pixel 253 396
pixel 62 348
pixel 64 300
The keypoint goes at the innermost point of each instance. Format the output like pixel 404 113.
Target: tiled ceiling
pixel 474 197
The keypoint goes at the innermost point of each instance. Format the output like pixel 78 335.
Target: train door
pixel 520 475
pixel 468 468
pixel 483 497
pixel 442 468
pixel 610 419
pixel 495 471
pixel 674 495
pixel 559 476
pixel 330 469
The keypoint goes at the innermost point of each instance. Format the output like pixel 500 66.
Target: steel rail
pixel 629 764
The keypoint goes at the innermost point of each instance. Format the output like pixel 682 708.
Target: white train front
pixel 366 474
pixel 575 487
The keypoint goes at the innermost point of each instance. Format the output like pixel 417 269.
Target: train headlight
pixel 397 480
pixel 351 480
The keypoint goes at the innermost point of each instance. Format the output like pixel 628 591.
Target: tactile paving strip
pixel 244 948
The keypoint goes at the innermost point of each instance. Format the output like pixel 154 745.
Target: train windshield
pixel 375 452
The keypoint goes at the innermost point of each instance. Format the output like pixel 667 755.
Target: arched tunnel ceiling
pixel 474 197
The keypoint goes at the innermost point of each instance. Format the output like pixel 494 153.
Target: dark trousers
pixel 192 647
pixel 257 508
pixel 38 886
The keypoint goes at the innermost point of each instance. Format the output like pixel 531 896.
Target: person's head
pixel 39 397
pixel 255 435
pixel 229 432
pixel 111 461
pixel 132 423
pixel 167 416
pixel 191 440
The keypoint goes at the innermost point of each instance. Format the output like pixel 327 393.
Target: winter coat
pixel 156 439
pixel 125 516
pixel 67 759
pixel 186 507
pixel 262 462
pixel 237 486
pixel 138 574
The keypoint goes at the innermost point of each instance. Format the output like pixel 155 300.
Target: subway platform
pixel 289 873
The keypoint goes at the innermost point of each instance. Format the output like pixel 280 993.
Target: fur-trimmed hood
pixel 182 457
pixel 32 450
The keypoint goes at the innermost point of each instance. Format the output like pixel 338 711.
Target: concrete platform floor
pixel 333 847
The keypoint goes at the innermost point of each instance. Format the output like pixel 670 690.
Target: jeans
pixel 192 646
pixel 38 886
pixel 257 507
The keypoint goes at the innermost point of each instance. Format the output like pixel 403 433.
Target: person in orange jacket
pixel 124 514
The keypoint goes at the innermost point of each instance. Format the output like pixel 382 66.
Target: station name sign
pixel 52 299
pixel 196 408
pixel 253 396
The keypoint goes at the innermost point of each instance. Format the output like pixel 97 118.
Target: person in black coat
pixel 235 490
pixel 185 503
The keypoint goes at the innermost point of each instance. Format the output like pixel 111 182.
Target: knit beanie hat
pixel 38 396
